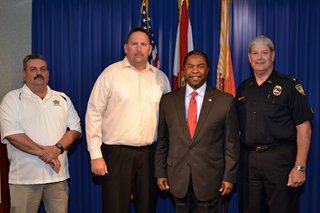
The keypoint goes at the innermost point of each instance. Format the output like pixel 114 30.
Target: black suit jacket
pixel 210 157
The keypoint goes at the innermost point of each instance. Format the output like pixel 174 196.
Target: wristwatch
pixel 59 146
pixel 300 168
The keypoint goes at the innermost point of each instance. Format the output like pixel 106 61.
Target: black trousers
pixel 263 180
pixel 190 204
pixel 130 173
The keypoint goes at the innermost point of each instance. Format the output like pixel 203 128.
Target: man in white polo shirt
pixel 38 124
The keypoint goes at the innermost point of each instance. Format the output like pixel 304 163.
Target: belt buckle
pixel 260 148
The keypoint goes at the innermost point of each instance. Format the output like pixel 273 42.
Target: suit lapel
pixel 181 110
pixel 208 102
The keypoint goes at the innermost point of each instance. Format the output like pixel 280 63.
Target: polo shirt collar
pixel 26 90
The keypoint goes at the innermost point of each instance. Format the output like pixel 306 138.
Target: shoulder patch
pixel 299 88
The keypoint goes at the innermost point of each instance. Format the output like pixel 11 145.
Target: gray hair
pixel 33 56
pixel 263 40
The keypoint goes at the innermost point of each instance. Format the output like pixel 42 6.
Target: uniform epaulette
pixel 291 78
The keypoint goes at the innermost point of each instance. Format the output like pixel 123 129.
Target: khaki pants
pixel 26 198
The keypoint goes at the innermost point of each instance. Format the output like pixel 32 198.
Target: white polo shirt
pixel 43 120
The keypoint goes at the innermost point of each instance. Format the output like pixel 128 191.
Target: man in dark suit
pixel 198 166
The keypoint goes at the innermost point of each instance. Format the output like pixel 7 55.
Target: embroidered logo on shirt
pixel 55 103
pixel 300 89
pixel 277 90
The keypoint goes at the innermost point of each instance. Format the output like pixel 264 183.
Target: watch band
pixel 59 146
pixel 300 168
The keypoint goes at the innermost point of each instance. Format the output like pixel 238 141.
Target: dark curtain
pixel 81 37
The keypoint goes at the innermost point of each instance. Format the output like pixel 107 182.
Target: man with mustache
pixel 198 142
pixel 38 125
pixel 121 127
pixel 275 132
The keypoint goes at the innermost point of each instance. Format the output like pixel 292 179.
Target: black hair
pixel 139 29
pixel 196 52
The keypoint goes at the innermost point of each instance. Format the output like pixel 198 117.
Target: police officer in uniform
pixel 275 131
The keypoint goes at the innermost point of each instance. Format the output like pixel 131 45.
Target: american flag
pixel 145 23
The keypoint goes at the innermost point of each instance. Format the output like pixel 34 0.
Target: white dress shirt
pixel 123 107
pixel 199 98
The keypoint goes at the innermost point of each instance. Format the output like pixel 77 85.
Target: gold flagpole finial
pixel 180 4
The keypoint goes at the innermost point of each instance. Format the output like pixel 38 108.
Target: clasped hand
pixel 49 154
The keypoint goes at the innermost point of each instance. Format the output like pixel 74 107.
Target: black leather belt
pixel 262 148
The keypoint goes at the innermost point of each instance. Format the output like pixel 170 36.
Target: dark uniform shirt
pixel 269 113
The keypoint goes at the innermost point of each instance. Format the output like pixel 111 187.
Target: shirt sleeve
pixel 9 115
pixel 299 104
pixel 73 118
pixel 165 83
pixel 97 105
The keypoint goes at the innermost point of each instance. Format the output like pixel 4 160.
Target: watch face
pixel 300 168
pixel 59 146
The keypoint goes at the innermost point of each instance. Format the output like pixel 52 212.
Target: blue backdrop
pixel 81 37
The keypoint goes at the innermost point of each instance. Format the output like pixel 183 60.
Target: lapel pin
pixel 210 100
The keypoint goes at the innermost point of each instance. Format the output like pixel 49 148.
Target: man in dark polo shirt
pixel 275 131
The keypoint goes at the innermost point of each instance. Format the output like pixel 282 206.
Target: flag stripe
pixel 225 77
pixel 145 23
pixel 184 44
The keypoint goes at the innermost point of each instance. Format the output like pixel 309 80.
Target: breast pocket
pixel 155 94
pixel 275 108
